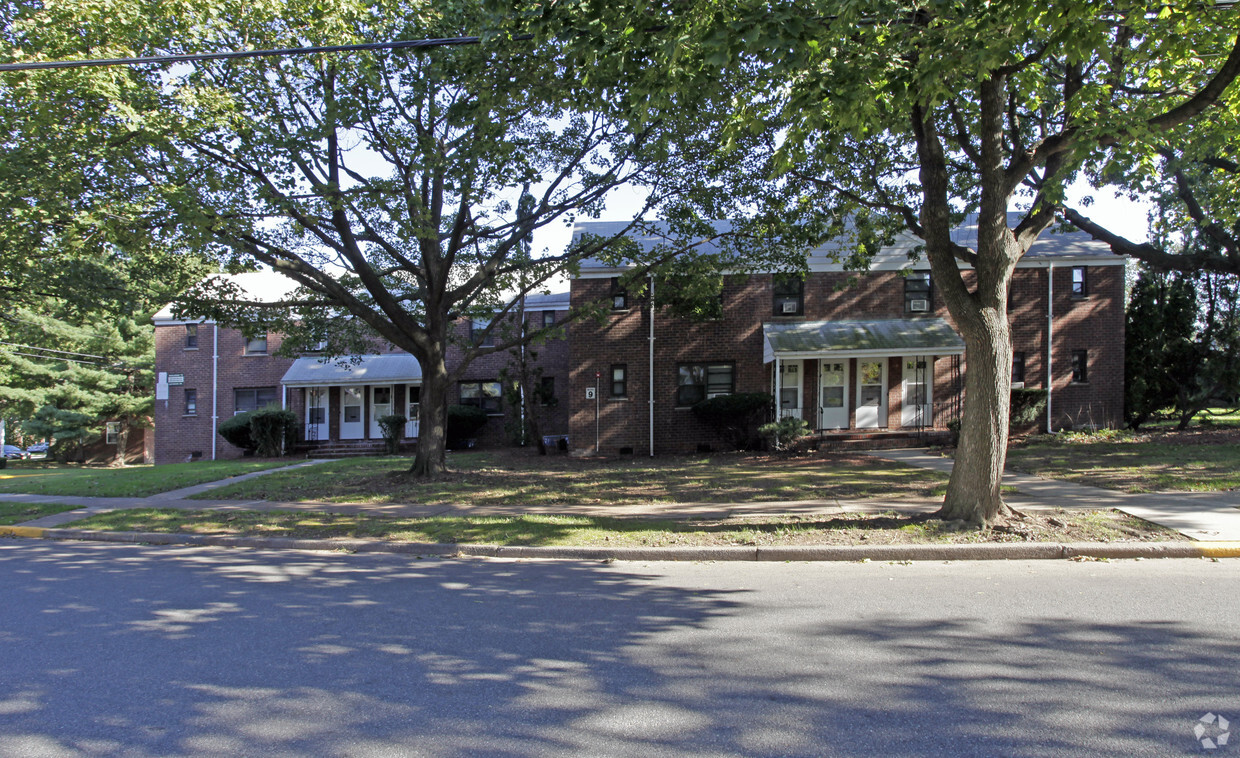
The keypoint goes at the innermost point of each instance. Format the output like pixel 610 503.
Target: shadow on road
pixel 142 651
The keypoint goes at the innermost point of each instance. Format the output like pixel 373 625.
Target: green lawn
pixel 1156 462
pixel 17 513
pixel 510 478
pixel 847 529
pixel 39 478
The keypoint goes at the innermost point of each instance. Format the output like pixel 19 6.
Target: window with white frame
pixel 697 381
pixel 112 432
pixel 191 336
pixel 619 380
pixel 1080 287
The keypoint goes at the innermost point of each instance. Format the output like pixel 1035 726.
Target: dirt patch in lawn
pixel 888 528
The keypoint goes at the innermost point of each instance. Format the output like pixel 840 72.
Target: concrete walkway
pixel 1204 516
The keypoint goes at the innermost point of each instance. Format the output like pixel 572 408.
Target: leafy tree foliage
pixel 387 184
pixel 906 115
pixel 1182 345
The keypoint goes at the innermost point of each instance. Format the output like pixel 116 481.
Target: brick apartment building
pixel 871 354
pixel 206 374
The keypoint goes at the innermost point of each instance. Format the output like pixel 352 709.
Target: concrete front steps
pixel 347 448
pixel 879 439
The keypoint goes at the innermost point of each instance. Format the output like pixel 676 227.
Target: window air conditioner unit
pixel 919 306
pixel 789 306
pixel 1018 385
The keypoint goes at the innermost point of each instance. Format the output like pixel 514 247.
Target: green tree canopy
pixel 386 185
pixel 908 115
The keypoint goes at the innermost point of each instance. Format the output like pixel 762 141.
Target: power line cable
pixel 50 350
pixel 284 51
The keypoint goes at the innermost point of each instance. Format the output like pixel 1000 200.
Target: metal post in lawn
pixel 597 375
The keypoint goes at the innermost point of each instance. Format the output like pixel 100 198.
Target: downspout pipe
pixel 215 389
pixel 650 383
pixel 1050 341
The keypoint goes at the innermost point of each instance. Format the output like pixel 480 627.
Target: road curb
pixel 970 552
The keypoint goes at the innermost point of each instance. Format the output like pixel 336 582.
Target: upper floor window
pixel 191 336
pixel 484 395
pixel 698 381
pixel 256 345
pixel 479 334
pixel 1018 369
pixel 619 295
pixel 1080 287
pixel 917 292
pixel 788 295
pixel 548 318
pixel 252 399
pixel 1080 366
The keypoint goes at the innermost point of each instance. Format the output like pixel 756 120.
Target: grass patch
pixel 48 478
pixel 517 478
pixel 847 529
pixel 17 513
pixel 1196 461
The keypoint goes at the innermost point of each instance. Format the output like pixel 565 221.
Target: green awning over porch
pixel 860 339
pixel 388 368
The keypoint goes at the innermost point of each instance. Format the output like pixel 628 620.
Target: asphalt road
pixel 142 651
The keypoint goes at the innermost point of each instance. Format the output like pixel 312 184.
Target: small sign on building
pixel 589 393
pixel 176 380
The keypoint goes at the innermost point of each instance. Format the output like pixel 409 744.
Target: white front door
pixel 833 405
pixel 916 388
pixel 790 389
pixel 316 413
pixel 352 426
pixel 380 405
pixel 871 394
pixel 413 393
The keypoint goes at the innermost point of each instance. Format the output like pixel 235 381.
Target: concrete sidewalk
pixel 1204 516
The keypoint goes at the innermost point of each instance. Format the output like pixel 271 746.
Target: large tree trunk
pixel 973 492
pixel 429 458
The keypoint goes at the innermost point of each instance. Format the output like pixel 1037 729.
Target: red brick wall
pixel 1095 323
pixel 177 435
pixel 551 356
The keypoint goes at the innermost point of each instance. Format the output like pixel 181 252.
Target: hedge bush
pixel 267 432
pixel 393 427
pixel 735 417
pixel 273 431
pixel 236 431
pixel 464 421
pixel 1028 406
